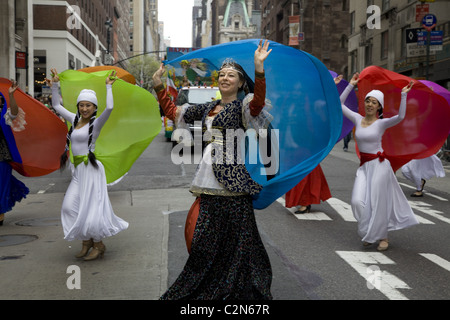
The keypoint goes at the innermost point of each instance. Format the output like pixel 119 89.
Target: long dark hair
pixel 91 155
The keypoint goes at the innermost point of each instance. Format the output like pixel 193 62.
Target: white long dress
pixel 378 203
pixel 427 168
pixel 86 210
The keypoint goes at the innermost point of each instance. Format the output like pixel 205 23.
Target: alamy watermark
pixel 74 20
pixel 373 277
pixel 235 148
pixel 374 20
pixel 74 280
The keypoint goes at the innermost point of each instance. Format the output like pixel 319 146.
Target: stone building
pixel 384 33
pixel 70 34
pixel 145 31
pixel 323 23
pixel 232 20
pixel 16 25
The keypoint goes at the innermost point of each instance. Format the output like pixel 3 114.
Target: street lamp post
pixel 109 26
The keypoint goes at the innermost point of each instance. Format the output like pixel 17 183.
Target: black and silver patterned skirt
pixel 228 260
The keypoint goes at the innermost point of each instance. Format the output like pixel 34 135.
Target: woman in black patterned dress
pixel 227 258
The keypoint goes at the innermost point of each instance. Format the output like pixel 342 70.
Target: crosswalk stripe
pixel 342 208
pixel 367 265
pixel 427 193
pixel 316 215
pixel 425 208
pixel 438 260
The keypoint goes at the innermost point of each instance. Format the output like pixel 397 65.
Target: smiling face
pixel 86 109
pixel 371 106
pixel 229 81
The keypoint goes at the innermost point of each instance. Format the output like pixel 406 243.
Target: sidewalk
pixel 135 261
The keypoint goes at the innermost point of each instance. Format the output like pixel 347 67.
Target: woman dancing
pixel 378 203
pixel 86 212
pixel 227 258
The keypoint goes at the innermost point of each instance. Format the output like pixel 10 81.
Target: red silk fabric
pixel 311 190
pixel 426 125
pixel 191 221
pixel 43 141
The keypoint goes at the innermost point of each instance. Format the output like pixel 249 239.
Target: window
pixel 345 5
pixel 352 22
pixel 384 45
pixel 343 42
pixel 368 54
pixel 353 62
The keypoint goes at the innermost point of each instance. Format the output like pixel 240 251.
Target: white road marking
pixel 425 208
pixel 366 264
pixel 316 215
pixel 342 208
pixel 43 191
pixel 438 260
pixel 345 211
pixel 426 192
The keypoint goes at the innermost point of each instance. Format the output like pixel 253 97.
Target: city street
pixel 314 256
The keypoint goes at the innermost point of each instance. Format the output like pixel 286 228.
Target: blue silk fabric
pixel 306 109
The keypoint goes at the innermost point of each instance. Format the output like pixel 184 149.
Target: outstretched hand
pixel 338 79
pixel 13 87
pixel 354 80
pixel 408 87
pixel 111 78
pixel 158 74
pixel 261 54
pixel 55 77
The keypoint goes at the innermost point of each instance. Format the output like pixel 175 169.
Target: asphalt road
pixel 316 256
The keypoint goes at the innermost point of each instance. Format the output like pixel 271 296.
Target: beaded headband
pixel 230 63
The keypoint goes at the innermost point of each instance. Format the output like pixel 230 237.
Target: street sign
pixel 436 38
pixel 411 35
pixel 413 50
pixel 429 21
pixel 421 11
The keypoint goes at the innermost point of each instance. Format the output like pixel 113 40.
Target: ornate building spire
pixel 233 5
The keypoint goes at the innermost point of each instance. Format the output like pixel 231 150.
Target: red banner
pixel 294 30
pixel 21 60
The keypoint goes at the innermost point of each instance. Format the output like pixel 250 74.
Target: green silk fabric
pixel 131 127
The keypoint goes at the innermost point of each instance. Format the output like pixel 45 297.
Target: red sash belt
pixel 370 156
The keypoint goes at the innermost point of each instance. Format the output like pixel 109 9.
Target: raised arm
pixel 56 99
pixel 101 120
pixel 259 98
pixel 353 82
pixel 351 115
pixel 169 108
pixel 392 121
pixel 13 108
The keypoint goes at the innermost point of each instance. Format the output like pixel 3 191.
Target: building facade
pixel 384 33
pixel 323 25
pixel 232 20
pixel 16 26
pixel 65 35
pixel 145 31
